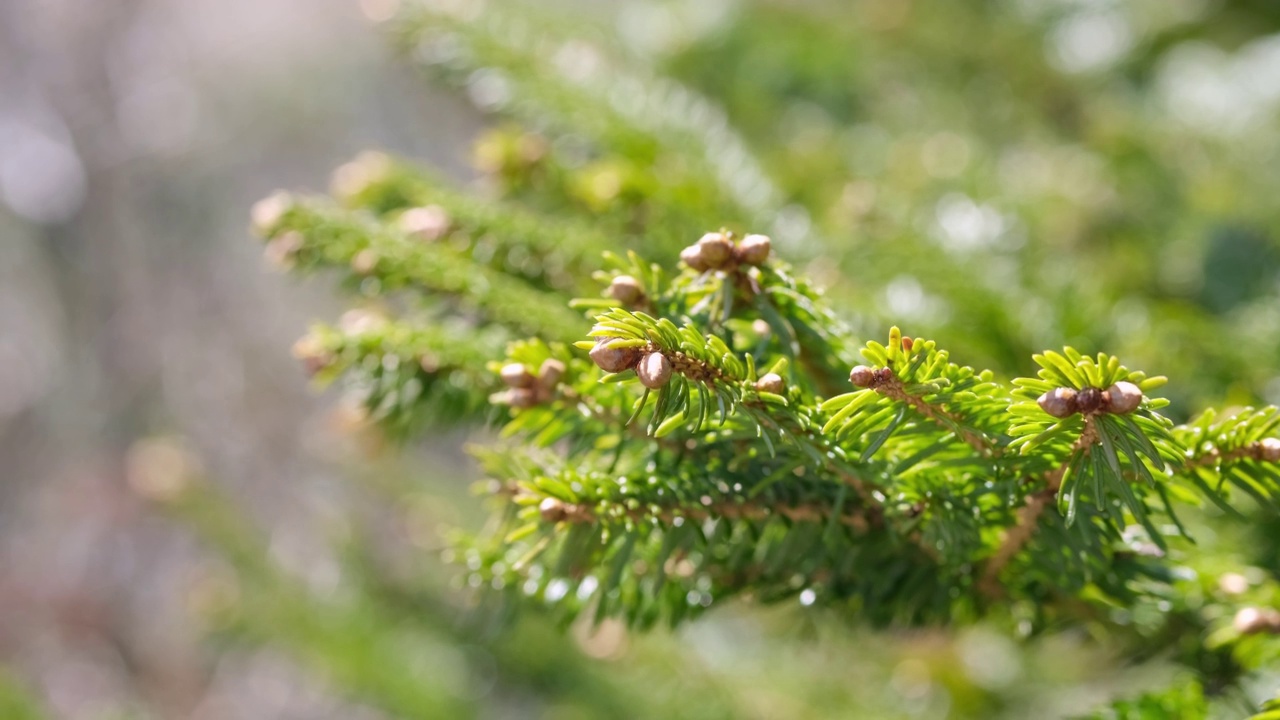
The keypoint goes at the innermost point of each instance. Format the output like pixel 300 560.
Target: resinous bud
pixel 552 510
pixel 716 249
pixel 862 376
pixel 771 383
pixel 269 211
pixel 1089 400
pixel 1059 402
pixel 613 359
pixel 429 222
pixel 753 250
pixel 654 370
pixel 626 290
pixel 522 397
pixel 1269 449
pixel 1250 620
pixel 1123 397
pixel 516 375
pixel 692 256
pixel 549 373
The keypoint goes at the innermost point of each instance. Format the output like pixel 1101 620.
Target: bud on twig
pixel 753 250
pixel 549 374
pixel 692 256
pixel 267 212
pixel 716 249
pixel 1059 402
pixel 1269 449
pixel 863 376
pixel 552 510
pixel 312 354
pixel 1123 397
pixel 1252 620
pixel 516 375
pixel 654 370
pixel 429 222
pixel 614 359
pixel 522 397
pixel 365 262
pixel 282 251
pixel 1089 400
pixel 626 290
pixel 771 383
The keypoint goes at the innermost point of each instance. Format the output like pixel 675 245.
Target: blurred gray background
pixel 138 323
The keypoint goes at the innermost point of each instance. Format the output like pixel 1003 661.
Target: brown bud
pixel 614 359
pixel 884 376
pixel 771 383
pixel 313 355
pixel 716 249
pixel 359 321
pixel 552 510
pixel 626 290
pixel 1233 584
pixel 1059 402
pixel 1251 620
pixel 522 397
pixel 353 178
pixel 429 222
pixel 516 375
pixel 1089 400
pixel 283 250
pixel 1123 397
pixel 365 261
pixel 654 370
pixel 753 250
pixel 549 373
pixel 692 256
pixel 1269 449
pixel 267 212
pixel 862 376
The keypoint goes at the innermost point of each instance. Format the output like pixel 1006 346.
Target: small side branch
pixel 892 387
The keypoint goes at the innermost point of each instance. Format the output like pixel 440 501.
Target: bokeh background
pixel 1002 175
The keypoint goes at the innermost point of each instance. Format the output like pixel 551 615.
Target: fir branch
pixel 600 97
pixel 556 251
pixel 378 259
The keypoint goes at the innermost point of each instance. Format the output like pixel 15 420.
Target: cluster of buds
pixel 1253 621
pixel 524 389
pixel 717 251
pixel 1119 399
pixel 653 368
pixel 868 377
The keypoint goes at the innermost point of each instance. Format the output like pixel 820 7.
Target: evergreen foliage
pixel 677 433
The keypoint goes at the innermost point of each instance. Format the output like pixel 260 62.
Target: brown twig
pixel 1029 516
pixel 892 387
